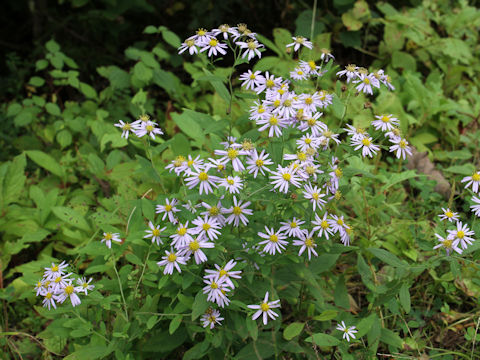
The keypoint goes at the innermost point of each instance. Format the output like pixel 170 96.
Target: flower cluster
pixel 459 238
pixel 140 127
pixel 218 40
pixel 56 286
pixel 366 81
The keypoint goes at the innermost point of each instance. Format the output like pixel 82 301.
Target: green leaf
pixel 269 44
pixel 387 257
pixel 321 339
pixel 134 259
pixel 389 337
pixel 140 98
pixel 218 85
pixel 142 72
pixel 14 181
pixel 341 294
pixel 36 81
pixel 403 60
pixel 465 169
pixel 53 109
pixel 150 29
pixel 189 126
pixel 71 217
pixel 292 330
pixel 282 37
pixel 171 38
pixel 116 140
pixel 46 161
pixel 174 324
pixel 397 178
pixel 199 306
pixel 151 321
pixel 52 46
pixel 326 315
pixel 337 107
pixel 88 91
pixel 64 138
pixel 404 295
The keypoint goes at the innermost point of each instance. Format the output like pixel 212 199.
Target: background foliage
pixel 71 69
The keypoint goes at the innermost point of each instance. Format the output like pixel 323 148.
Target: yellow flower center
pixel 366 81
pixel 328 134
pixel 194 245
pixel 144 118
pixel 237 210
pixel 206 226
pixel 213 42
pixel 48 296
pixel 222 273
pixel 55 268
pixel 308 101
pixel 190 43
pixel 149 128
pixel 261 110
pixel 273 238
pixel 309 242
pixel 449 214
pixel 259 162
pixel 312 64
pixel 156 232
pixel 214 211
pixel 277 103
pixel 230 181
pixel 324 224
pixel 287 103
pixel 293 224
pixel 214 285
pixel 403 144
pixel 300 40
pixel 310 169
pixel 273 121
pixel 287 176
pixel 211 318
pixel 182 231
pixel 338 172
pixel 58 279
pixel 270 84
pixel 85 285
pixel 351 67
pixel 460 234
pixel 264 307
pixel 308 141
pixel 127 126
pixel 300 72
pixel 476 177
pixel 69 290
pixel 311 122
pixel 315 196
pixel 108 236
pixel 366 142
pixel 203 176
pixel 190 162
pixel 301 156
pixel 168 208
pixel 201 32
pixel 340 222
pixel 232 153
pixel 447 243
pixel 251 44
pixel 385 118
pixel 172 257
pixel 252 76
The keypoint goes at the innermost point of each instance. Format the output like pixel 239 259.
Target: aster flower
pixel 476 208
pixel 365 83
pixel 401 147
pixel 385 122
pixel 108 237
pixel 300 41
pixel 69 292
pixel 178 165
pixel 313 194
pixel 237 212
pixel 147 128
pixel 126 128
pixel 325 98
pixel 49 299
pixel 154 233
pixel 211 318
pixel 448 215
pixel 473 180
pixel 182 236
pixel 256 163
pixel 190 45
pixel 268 82
pixel 232 154
pixel 368 148
pixel 462 234
pixel 170 261
pixel 224 30
pixel 337 223
pixel 169 209
pixel 350 72
pixel 206 227
pixel 225 272
pixel 214 47
pixel 251 80
pixel 251 47
pixel 448 244
pixel 327 135
pixel 232 183
pixel 348 332
pixel 84 285
pixel 323 226
pixel 194 247
pixel 201 36
pixel 265 309
pixel 273 123
pixel 292 227
pixel 310 67
pixel 356 133
pixel 326 55
pixel 311 123
pixel 299 74
pixel 207 182
pixel 284 177
pixel 215 211
pixel 53 272
pixel 274 241
pixel 306 241
pixel 216 290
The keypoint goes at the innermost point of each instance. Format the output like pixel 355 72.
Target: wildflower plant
pixel 269 198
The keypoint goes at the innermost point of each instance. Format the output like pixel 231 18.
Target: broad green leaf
pixel 171 38
pixel 321 339
pixel 292 330
pixel 341 293
pixel 174 324
pixel 326 315
pixel 200 304
pixel 189 126
pixel 404 295
pixel 36 81
pixel 387 257
pixel 465 169
pixel 389 337
pixel 47 162
pixel 71 217
pixel 14 181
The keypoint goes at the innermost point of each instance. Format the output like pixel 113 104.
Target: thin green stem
pixel 143 270
pixel 120 286
pixel 312 25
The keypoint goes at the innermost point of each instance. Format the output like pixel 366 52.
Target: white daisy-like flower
pixel 49 299
pixel 232 183
pixel 292 227
pixel 237 212
pixel 55 271
pixel 232 154
pixel 387 81
pixel 285 109
pixel 473 180
pixel 218 164
pixel 274 241
pixel 356 133
pixel 251 80
pixel 307 242
pixel 214 47
pixel 215 212
pixel 308 141
pixel 385 122
pixel 126 128
pixel 476 208
pixel 169 209
pixel 345 236
pixel 401 147
pixel 251 46
pixel 207 182
pixel 196 163
pixel 449 215
pixel 171 260
pixel 206 226
pixel 326 98
pixel 300 41
pixel 154 233
pixel 224 30
pixel 326 55
pixel 211 318
pixel 256 163
pixel 365 83
pixel 299 74
pixel 69 292
pixel 298 158
pixel 350 72
pixel 265 309
pixel 284 177
pixel 310 67
pixel 463 234
pixel 216 290
pixel 368 148
pixel 190 45
pixel 225 272
pixel 178 165
pixel 202 36
pixel 194 247
pixel 337 223
pixel 182 236
pixel 108 237
pixel 315 196
pixel 274 123
pixel 147 128
pixel 268 82
pixel 448 244
pixel 60 282
pixel 327 135
pixel 308 102
pixel 191 207
pixel 348 331
pixel 84 285
pixel 311 123
pixel 323 226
